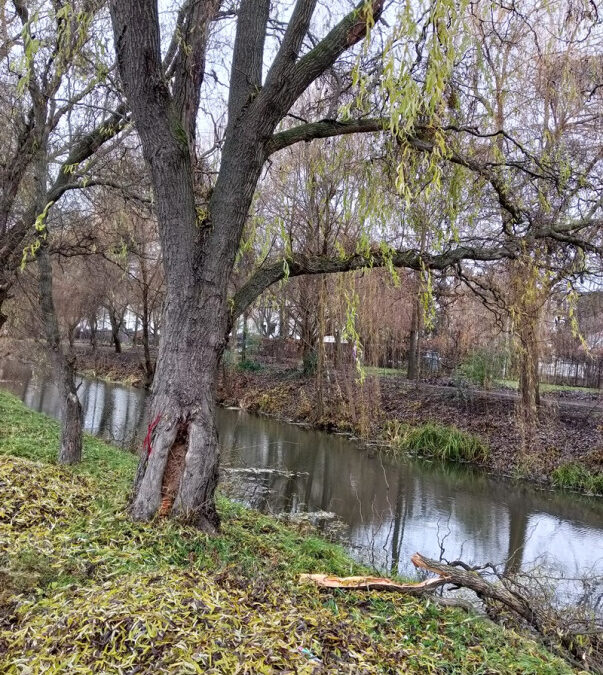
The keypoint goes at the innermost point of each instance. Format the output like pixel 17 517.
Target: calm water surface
pixel 383 510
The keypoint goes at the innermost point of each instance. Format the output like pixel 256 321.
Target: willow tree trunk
pixel 320 356
pixel 115 328
pixel 70 449
pixel 413 372
pixel 529 382
pixel 149 368
pixel 244 337
pixel 63 365
pixel 93 328
pixel 178 471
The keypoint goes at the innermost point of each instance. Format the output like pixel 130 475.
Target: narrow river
pixel 382 510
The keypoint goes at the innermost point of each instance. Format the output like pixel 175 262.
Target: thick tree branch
pixel 12 242
pixel 330 128
pixel 292 77
pixel 292 41
pixel 246 77
pixel 299 265
pixel 86 147
pixel 188 66
pixel 348 32
pixel 324 129
pixel 137 43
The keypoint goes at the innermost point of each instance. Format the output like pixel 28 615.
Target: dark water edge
pixel 381 509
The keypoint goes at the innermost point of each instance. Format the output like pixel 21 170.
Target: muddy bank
pixel 566 434
pixel 570 431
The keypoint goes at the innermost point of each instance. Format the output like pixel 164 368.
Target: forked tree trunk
pixel 178 471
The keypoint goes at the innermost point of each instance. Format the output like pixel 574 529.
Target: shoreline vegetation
pixel 443 423
pixel 86 590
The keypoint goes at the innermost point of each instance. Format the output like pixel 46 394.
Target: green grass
pixel 85 590
pixel 545 387
pixel 374 370
pixel 574 476
pixel 446 443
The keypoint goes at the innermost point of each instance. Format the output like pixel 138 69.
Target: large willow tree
pixel 162 80
pixel 200 245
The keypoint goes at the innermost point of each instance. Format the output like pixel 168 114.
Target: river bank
pixel 83 588
pixel 381 506
pixel 566 450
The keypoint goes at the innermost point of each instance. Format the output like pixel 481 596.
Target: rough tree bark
pixel 178 472
pixel 70 449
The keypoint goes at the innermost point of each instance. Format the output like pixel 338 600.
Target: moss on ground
pixel 84 590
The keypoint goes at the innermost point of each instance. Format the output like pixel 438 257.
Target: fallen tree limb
pixel 482 588
pixel 580 647
pixel 575 646
pixel 372 583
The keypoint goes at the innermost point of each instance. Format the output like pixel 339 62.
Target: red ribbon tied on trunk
pixel 146 444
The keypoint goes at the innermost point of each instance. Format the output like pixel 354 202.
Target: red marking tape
pixel 146 444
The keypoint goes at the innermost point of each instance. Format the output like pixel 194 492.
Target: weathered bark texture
pixel 199 255
pixel 70 449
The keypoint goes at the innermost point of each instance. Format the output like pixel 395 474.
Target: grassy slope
pixel 84 590
pixel 546 387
